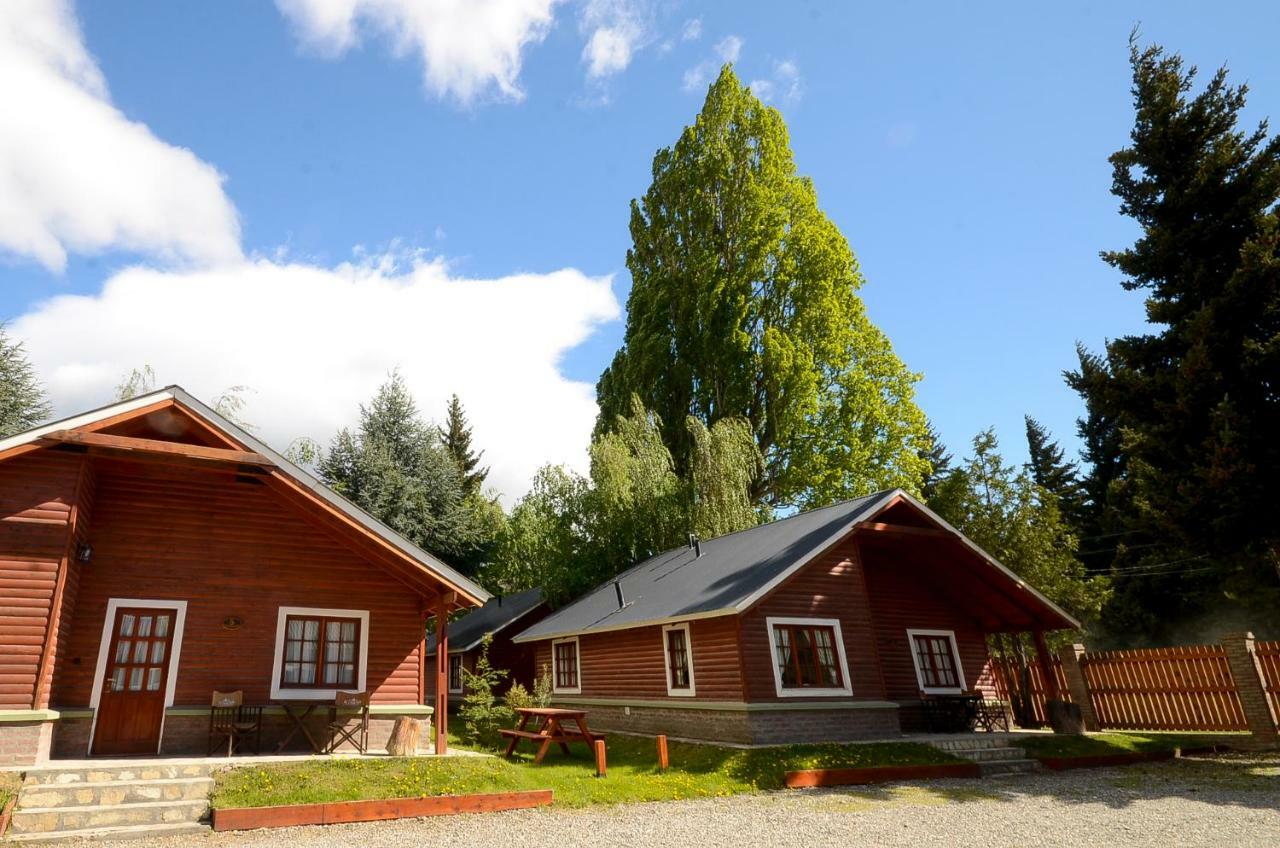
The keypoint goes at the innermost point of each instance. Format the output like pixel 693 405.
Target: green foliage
pixel 22 399
pixel 137 382
pixel 744 305
pixel 1053 473
pixel 938 464
pixel 456 435
pixel 482 714
pixel 1015 520
pixel 395 467
pixel 569 533
pixel 1181 421
pixel 230 405
pixel 519 697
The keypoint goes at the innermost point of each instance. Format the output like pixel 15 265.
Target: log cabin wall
pixel 829 587
pixel 37 493
pixel 631 663
pixel 228 548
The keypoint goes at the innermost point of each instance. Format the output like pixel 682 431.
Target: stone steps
pixel 108 834
pixel 1007 768
pixel 994 755
pixel 111 801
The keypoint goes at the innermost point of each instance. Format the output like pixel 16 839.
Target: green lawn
pixel 696 771
pixel 1114 742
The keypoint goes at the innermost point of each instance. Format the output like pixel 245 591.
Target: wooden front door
pixel 131 706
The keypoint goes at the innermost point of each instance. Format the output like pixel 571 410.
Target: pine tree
pixel 939 464
pixel 456 435
pixel 1182 420
pixel 1052 472
pixel 22 399
pixel 744 305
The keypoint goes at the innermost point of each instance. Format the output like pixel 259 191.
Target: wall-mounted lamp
pixel 84 553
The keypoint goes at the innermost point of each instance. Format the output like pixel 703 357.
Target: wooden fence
pixel 1182 688
pixel 1268 654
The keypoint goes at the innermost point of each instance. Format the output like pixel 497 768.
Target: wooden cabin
pixel 500 618
pixel 152 552
pixel 829 625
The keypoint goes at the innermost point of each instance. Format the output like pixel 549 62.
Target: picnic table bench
pixel 550 729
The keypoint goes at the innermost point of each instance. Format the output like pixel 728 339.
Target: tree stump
pixel 404 737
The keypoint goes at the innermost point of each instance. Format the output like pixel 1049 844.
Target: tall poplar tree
pixel 1182 420
pixel 23 404
pixel 744 304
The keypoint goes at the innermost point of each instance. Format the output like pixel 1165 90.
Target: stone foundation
pixel 186 732
pixel 745 724
pixel 25 743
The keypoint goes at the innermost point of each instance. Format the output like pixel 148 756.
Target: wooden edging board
pixel 877 774
pixel 1105 760
pixel 7 813
pixel 340 812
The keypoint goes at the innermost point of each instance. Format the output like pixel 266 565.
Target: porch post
pixel 442 673
pixel 1051 692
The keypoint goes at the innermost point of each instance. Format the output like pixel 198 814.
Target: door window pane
pixel 122 650
pixel 153 679
pixel 144 625
pixel 126 625
pixel 162 626
pixel 135 679
pixel 157 652
pixel 140 651
pixel 117 679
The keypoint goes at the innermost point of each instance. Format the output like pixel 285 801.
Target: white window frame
pixel 104 648
pixel 666 660
pixel 449 673
pixel 556 688
pixel 912 633
pixel 808 691
pixel 310 693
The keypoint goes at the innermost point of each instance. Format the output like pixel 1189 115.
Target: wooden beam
pixel 1046 667
pixel 442 675
pixel 130 444
pixel 903 530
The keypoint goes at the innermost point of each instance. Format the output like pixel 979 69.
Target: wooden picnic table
pixel 550 729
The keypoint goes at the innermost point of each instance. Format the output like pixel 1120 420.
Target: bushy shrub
pixel 482 714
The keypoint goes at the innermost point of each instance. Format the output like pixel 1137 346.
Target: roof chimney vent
pixel 622 599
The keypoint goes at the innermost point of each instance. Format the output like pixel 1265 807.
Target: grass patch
pixel 9 783
pixel 697 771
pixel 1110 742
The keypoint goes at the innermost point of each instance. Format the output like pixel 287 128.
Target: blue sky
pixel 961 148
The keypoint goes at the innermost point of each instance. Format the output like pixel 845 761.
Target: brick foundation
pixel 188 735
pixel 746 727
pixel 25 743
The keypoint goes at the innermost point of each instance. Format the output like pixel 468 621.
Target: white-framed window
pixel 808 657
pixel 455 674
pixel 937 660
pixel 566 667
pixel 319 653
pixel 677 650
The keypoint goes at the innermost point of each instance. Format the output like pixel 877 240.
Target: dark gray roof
pixel 498 612
pixel 732 573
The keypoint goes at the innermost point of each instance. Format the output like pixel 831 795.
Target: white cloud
pixel 469 48
pixel 692 30
pixel 76 175
pixel 615 30
pixel 726 50
pixel 312 343
pixel 784 83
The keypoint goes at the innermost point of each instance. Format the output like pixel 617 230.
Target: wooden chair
pixel 231 721
pixel 339 732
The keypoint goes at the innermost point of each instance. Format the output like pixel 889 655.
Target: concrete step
pixel 114 792
pixel 45 775
pixel 982 755
pixel 108 834
pixel 968 742
pixel 60 820
pixel 1007 768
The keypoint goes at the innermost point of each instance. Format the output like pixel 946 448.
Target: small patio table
pixel 551 728
pixel 298 712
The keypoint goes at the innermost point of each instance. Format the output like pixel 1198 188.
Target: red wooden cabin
pixel 828 625
pixel 152 552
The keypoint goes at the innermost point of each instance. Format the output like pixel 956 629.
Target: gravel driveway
pixel 1232 801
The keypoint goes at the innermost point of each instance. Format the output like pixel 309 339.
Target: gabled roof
pixel 737 570
pixel 498 613
pixel 294 474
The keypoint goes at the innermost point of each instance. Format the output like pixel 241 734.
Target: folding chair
pixel 231 721
pixel 339 731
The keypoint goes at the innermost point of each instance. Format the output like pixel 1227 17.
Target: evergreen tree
pixel 395 467
pixel 1184 417
pixel 744 305
pixel 1053 473
pixel 938 464
pixel 1006 513
pixel 22 399
pixel 456 435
